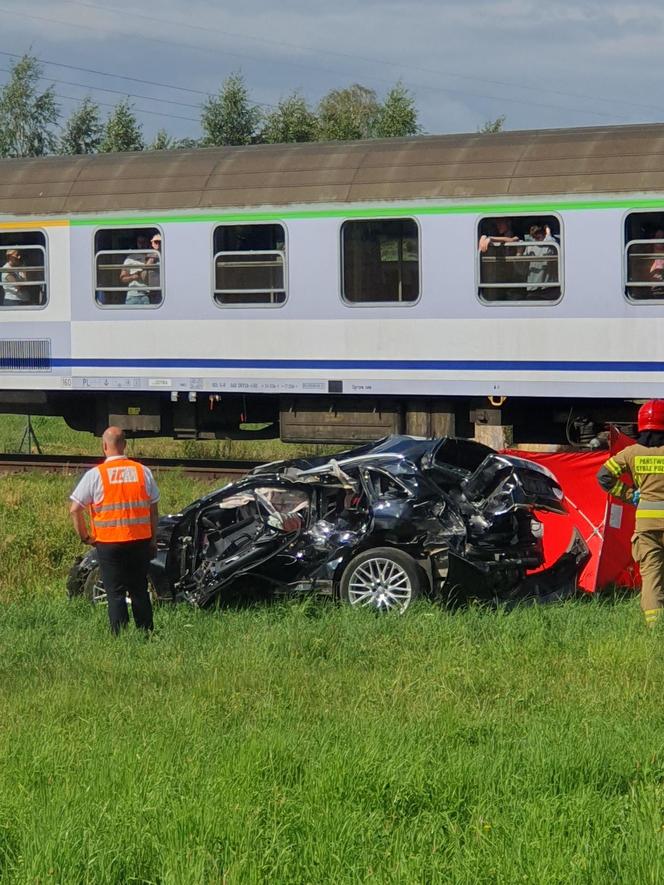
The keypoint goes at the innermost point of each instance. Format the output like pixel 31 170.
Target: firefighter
pixel 121 497
pixel 642 465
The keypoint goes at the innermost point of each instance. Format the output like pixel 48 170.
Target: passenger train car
pixel 339 291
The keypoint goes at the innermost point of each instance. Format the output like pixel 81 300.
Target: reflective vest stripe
pixel 127 505
pixel 138 520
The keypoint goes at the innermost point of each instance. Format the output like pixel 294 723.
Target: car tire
pixel 382 579
pixel 75 580
pixel 93 589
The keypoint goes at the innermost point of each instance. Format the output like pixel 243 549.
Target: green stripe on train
pixel 374 212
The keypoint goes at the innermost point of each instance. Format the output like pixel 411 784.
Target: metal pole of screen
pixel 29 437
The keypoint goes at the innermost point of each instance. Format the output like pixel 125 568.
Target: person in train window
pixel 656 269
pixel 497 269
pixel 540 272
pixel 134 274
pixel 11 275
pixel 153 259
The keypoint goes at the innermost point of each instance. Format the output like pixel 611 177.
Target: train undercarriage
pixel 330 419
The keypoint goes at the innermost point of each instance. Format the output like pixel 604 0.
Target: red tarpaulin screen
pixel 605 523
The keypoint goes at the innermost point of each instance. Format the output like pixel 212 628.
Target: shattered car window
pixel 284 509
pixel 380 484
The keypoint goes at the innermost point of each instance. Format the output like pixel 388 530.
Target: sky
pixel 541 65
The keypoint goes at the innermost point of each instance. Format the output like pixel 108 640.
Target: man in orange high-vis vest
pixel 120 497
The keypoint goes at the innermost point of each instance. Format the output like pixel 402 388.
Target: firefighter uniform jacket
pixel 643 468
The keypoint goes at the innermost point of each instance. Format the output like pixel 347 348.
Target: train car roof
pixel 529 163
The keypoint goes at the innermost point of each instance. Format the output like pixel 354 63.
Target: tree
pixel 122 131
pixel 229 117
pixel 27 115
pixel 292 120
pixel 397 116
pixel 83 130
pixel 347 114
pixel 492 126
pixel 162 142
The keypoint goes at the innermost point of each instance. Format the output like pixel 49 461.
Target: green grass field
pixel 306 743
pixel 56 438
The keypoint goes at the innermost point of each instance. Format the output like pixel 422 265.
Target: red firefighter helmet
pixel 651 415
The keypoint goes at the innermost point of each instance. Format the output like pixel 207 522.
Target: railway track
pixel 74 464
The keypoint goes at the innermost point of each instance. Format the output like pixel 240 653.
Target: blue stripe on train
pixel 385 365
pixel 409 365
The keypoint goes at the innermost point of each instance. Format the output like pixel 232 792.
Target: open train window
pixel 23 269
pixel 380 261
pixel 519 258
pixel 249 265
pixel 128 267
pixel 643 265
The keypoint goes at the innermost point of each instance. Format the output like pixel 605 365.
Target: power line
pixel 59 64
pixel 107 104
pixel 143 38
pixel 184 104
pixel 500 98
pixel 370 60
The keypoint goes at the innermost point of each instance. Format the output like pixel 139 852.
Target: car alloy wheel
pixel 382 580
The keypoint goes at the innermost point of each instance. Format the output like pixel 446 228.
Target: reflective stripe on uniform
pixel 613 467
pixel 650 510
pixel 104 508
pixel 618 489
pixel 652 614
pixel 111 523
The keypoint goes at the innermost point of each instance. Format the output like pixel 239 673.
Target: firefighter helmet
pixel 651 415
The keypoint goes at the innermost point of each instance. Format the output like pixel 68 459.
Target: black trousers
pixel 124 571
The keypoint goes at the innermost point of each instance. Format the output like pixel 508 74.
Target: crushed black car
pixel 376 526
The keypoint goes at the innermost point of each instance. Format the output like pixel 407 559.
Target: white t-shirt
pixel 136 291
pixel 11 275
pixel 90 489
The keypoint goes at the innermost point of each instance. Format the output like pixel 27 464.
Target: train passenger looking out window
pixel 153 262
pixel 519 259
pixel 22 269
pixel 644 256
pixel 539 272
pixel 656 269
pixel 13 279
pixel 128 267
pixel 502 235
pixel 134 274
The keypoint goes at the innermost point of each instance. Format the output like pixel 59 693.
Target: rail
pixel 73 464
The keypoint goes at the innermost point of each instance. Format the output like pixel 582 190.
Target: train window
pixel 644 256
pixel 249 264
pixel 23 276
pixel 380 261
pixel 519 258
pixel 128 267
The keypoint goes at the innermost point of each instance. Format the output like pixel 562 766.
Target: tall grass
pixel 309 743
pixel 306 742
pixel 56 438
